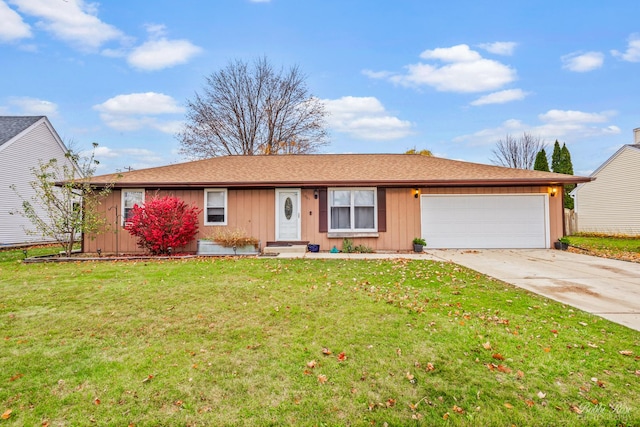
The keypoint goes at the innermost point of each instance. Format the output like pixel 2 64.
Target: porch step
pixel 288 243
pixel 289 249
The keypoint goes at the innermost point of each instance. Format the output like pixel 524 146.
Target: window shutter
pixel 382 209
pixel 323 213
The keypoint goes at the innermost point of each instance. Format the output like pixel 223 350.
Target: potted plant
pixel 418 244
pixel 562 243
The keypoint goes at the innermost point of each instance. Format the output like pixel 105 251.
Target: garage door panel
pixel 485 221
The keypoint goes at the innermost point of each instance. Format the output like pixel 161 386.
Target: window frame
pixel 225 206
pixel 124 221
pixel 352 206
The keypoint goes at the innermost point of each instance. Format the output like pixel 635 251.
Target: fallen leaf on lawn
pixel 529 402
pixel 575 409
pixel 626 352
pixel 306 372
pixel 149 378
pixel 542 395
pixel 311 364
pixel 547 349
pixel 96 401
pixel 601 384
pixel 342 357
pixel 504 369
pixel 178 403
pixel 410 377
pixel 16 377
pixel 554 331
pixel 487 345
pixel 582 323
pixel 6 414
pixel 45 424
pixel 520 374
pixel 390 403
pixel 354 390
pixel 458 409
pixel 637 372
pixel 508 405
pixel 326 351
pixel 594 401
pixel 430 366
pixel 399 352
pixel 445 416
pixel 498 356
pixel 322 379
pixel 592 345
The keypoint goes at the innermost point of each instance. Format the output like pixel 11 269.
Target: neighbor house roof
pixel 10 126
pixel 330 169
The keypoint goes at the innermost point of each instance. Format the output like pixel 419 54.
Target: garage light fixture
pixel 416 192
pixel 553 191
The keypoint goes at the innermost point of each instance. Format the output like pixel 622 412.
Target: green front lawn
pixel 214 341
pixel 624 248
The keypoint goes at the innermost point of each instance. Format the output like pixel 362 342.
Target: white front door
pixel 288 214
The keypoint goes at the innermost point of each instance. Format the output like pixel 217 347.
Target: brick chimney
pixel 636 136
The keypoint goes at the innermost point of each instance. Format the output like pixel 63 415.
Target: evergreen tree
pixel 541 163
pixel 567 167
pixel 555 157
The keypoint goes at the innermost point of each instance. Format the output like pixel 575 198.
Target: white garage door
pixel 485 221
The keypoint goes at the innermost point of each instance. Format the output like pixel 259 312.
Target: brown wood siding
pixel 254 211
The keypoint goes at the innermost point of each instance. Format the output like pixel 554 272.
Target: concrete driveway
pixel 605 287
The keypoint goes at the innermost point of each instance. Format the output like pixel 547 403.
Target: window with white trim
pixel 215 206
pixel 352 209
pixel 130 198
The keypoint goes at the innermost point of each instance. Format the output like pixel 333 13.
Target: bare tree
pixel 251 110
pixel 517 153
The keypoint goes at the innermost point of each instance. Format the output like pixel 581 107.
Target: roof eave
pixel 570 179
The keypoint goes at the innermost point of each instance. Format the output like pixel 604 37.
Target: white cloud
pixel 459 53
pixel 158 54
pixel 365 118
pixel 499 48
pixel 138 110
pixel 501 97
pixel 571 116
pixel 13 27
pixel 72 20
pixel 465 70
pixel 554 124
pixel 632 54
pixel 377 74
pixel 582 62
pixel 34 107
pixel 135 158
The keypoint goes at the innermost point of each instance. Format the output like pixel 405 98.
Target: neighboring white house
pixel 25 141
pixel 611 203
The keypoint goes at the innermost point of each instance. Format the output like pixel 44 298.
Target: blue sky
pixel 453 77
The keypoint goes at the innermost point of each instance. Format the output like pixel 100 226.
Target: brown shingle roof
pixel 331 169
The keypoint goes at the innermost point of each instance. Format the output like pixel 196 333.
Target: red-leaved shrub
pixel 163 223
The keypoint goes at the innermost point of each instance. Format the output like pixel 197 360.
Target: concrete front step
pixel 289 249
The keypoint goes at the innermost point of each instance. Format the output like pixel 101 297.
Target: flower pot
pixel 561 246
pixel 417 248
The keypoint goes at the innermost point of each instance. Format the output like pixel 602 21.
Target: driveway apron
pixel 604 287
